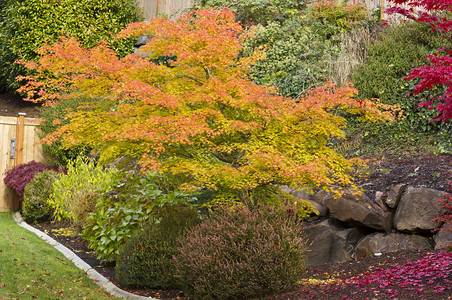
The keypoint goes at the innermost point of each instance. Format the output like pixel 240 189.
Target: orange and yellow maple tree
pixel 199 118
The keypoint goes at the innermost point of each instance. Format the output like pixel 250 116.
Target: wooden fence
pixel 173 8
pixel 19 143
pixel 170 8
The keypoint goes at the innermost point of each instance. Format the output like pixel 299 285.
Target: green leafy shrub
pixel 28 24
pixel 295 57
pixel 35 207
pixel 382 74
pixel 241 252
pixel 55 115
pixel 299 52
pixel 75 194
pixel 251 12
pixel 401 48
pixel 147 258
pixel 123 209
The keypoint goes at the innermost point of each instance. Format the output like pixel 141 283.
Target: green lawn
pixel 32 269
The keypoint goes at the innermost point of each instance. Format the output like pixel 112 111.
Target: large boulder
pixel 416 209
pixel 299 194
pixel 357 209
pixel 443 238
pixel 382 243
pixel 395 194
pixel 329 242
pixel 319 196
pixel 322 210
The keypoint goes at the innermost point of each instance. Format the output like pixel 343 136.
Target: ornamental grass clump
pixel 241 252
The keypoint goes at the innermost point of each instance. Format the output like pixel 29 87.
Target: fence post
pixel 20 138
pixel 382 10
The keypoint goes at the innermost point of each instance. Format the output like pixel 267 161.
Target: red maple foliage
pixel 439 72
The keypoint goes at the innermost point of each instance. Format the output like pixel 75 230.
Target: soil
pixel 429 171
pixel 12 104
pixel 419 171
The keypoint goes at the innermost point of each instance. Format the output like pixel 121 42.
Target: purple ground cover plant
pixel 433 272
pixel 429 277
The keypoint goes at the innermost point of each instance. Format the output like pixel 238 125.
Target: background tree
pixel 200 120
pixel 28 24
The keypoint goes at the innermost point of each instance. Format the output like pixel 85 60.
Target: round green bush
pixel 28 24
pixel 401 48
pixel 147 259
pixel 295 57
pixel 35 207
pixel 241 252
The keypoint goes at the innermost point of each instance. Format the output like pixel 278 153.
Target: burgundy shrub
pixel 238 253
pixel 446 210
pixel 21 175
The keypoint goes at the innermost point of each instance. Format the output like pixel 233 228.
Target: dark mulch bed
pixel 430 171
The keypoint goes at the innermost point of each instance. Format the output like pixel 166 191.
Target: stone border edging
pixel 99 279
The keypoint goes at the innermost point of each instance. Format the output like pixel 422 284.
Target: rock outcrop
pixel 357 209
pixel 443 238
pixel 381 242
pixel 356 226
pixel 329 242
pixel 417 208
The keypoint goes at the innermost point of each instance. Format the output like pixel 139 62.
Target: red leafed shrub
pixel 18 177
pixel 439 72
pixel 241 252
pixel 446 210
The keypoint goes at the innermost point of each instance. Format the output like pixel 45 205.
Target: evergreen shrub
pixel 295 57
pixel 241 252
pixel 399 49
pixel 147 258
pixel 35 207
pixel 28 24
pixel 299 51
